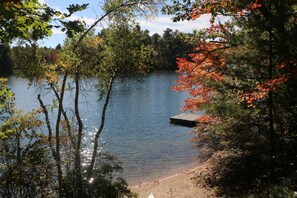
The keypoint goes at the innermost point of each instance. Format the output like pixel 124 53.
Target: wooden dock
pixel 185 119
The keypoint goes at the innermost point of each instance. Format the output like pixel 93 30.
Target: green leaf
pixel 75 8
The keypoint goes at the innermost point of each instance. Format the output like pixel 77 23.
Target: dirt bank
pixel 180 185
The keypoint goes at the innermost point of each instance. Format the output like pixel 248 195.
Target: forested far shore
pixel 163 49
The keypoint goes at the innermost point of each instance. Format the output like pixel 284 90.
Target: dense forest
pixel 241 72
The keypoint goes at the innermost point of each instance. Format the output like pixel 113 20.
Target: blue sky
pixel 154 25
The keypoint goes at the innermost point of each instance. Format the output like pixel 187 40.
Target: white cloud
pixel 88 21
pixel 159 24
pixel 57 32
pixel 156 25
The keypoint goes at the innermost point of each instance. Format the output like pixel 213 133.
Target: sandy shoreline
pixel 181 185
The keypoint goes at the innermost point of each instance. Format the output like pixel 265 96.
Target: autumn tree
pixel 242 74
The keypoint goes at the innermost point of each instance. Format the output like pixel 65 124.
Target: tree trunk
pixel 270 94
pixel 77 163
pixel 270 100
pixel 66 119
pixel 49 128
pixel 96 139
pixel 58 143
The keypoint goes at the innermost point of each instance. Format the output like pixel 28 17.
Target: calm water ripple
pixel 137 126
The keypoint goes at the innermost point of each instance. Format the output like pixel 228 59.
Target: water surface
pixel 137 126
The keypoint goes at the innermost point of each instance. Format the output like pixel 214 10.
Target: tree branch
pixel 126 4
pixel 48 125
pixel 66 118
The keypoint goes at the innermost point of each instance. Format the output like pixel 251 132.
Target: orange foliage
pixel 263 89
pixel 198 72
pixel 206 119
pixel 286 63
pixel 224 7
pixel 212 7
pixel 256 5
pixel 202 70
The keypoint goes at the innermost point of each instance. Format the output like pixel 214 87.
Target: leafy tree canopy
pixel 28 19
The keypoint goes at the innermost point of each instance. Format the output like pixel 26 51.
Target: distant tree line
pixel 164 49
pixel 169 46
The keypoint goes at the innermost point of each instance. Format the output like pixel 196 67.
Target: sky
pixel 155 25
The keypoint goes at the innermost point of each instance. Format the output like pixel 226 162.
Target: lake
pixel 137 127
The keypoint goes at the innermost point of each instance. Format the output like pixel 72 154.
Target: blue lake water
pixel 137 127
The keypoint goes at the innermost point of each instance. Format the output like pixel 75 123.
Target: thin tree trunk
pixel 270 94
pixel 270 100
pixel 96 139
pixel 66 119
pixel 77 165
pixel 58 143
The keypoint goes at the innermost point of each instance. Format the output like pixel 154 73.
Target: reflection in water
pixel 137 126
